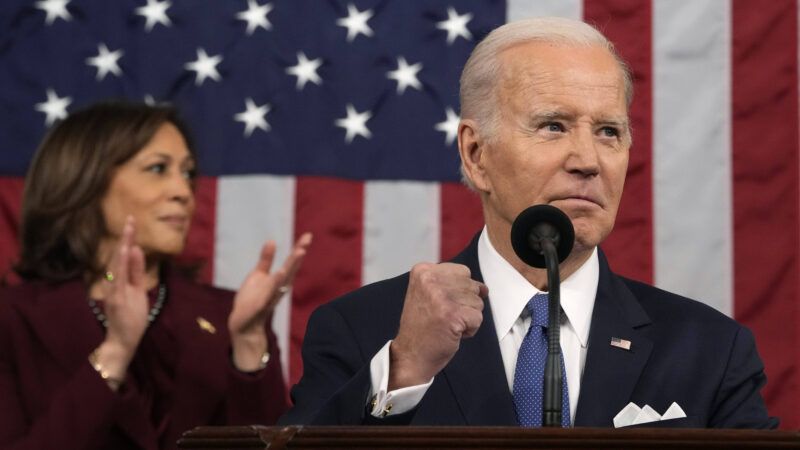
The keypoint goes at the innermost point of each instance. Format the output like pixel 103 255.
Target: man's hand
pixel 442 306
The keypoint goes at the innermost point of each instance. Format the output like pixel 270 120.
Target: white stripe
pixel 521 9
pixel 692 150
pixel 401 227
pixel 251 210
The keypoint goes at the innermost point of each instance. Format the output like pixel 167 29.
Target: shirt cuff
pixel 398 401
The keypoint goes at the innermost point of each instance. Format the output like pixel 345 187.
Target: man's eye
pixel 554 127
pixel 609 132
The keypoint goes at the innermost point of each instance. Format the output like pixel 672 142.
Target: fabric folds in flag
pixel 340 118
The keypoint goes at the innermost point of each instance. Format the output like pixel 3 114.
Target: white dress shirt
pixel 509 292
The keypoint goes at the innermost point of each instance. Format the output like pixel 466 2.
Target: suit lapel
pixel 611 373
pixel 475 374
pixel 478 380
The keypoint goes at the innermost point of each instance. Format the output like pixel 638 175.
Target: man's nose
pixel 583 157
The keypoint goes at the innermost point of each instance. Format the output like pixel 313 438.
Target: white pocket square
pixel 633 415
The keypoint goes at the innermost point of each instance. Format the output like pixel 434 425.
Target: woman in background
pixel 105 345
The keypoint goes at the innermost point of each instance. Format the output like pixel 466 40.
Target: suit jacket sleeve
pixel 244 398
pixel 336 376
pixel 738 402
pixel 257 398
pixel 82 408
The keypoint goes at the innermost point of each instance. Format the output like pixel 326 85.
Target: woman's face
pixel 155 187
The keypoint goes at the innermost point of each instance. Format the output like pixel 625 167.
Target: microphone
pixel 542 237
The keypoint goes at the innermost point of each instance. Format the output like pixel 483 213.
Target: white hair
pixel 482 70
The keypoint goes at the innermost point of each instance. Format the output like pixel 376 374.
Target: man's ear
pixel 471 148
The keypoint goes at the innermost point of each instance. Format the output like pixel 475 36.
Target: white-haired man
pixel 544 121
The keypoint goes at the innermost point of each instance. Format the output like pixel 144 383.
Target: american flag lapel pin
pixel 621 343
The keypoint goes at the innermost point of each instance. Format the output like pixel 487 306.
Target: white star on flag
pixel 149 100
pixel 55 9
pixel 256 16
pixel 205 66
pixel 55 107
pixel 106 61
pixel 253 117
pixel 405 75
pixel 356 22
pixel 355 123
pixel 455 25
pixel 449 126
pixel 155 12
pixel 305 70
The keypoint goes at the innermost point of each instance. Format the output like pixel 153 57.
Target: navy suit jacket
pixel 681 351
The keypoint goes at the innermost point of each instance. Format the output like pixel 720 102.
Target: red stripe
pixel 332 209
pixel 765 191
pixel 462 217
pixel 200 242
pixel 627 23
pixel 10 206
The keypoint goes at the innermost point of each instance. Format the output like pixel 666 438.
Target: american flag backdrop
pixel 338 117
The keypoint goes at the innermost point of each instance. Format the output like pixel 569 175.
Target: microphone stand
pixel 553 382
pixel 542 235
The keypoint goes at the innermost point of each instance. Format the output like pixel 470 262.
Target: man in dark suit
pixel 544 121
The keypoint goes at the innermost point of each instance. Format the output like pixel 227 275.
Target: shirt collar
pixel 509 291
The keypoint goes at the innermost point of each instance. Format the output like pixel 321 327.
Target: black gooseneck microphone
pixel 542 236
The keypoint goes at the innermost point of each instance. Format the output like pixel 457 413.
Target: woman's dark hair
pixel 62 220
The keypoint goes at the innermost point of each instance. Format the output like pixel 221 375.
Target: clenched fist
pixel 442 306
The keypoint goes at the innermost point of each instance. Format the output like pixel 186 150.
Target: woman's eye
pixel 157 168
pixel 190 174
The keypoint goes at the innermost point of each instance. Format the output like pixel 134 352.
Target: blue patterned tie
pixel 528 378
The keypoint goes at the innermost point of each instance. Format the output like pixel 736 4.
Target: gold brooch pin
pixel 206 326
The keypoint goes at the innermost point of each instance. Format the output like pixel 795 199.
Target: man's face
pixel 562 138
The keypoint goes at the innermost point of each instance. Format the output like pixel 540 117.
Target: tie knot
pixel 538 308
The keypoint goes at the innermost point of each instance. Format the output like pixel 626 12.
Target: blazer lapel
pixel 201 342
pixel 475 374
pixel 610 372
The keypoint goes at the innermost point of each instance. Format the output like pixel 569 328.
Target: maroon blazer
pixel 180 378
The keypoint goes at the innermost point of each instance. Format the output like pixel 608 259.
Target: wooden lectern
pixel 369 437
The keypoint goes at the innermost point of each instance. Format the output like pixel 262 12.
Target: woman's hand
pixel 125 307
pixel 255 301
